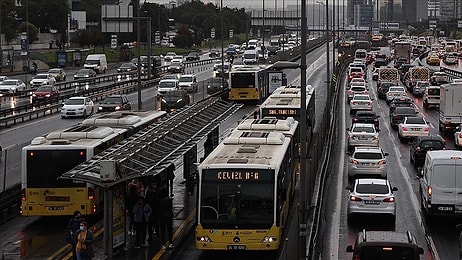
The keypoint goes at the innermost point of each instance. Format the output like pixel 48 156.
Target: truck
pixel 388 74
pixel 403 50
pixel 450 107
pixel 418 73
pixel 97 62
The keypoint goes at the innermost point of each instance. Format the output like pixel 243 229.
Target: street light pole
pixel 138 44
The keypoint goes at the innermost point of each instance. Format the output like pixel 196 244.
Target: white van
pixel 441 183
pixel 188 82
pixel 97 62
pixel 250 57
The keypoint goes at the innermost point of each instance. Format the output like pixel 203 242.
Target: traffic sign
pixel 212 33
pixel 114 41
pixel 231 34
pixel 459 24
pixel 24 44
pixel 432 24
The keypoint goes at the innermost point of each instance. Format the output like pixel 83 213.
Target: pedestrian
pixel 84 238
pixel 171 177
pixel 141 214
pixel 132 198
pixel 166 218
pixel 152 199
pixel 72 227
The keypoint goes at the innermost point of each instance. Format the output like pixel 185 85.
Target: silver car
pixel 413 126
pixel 360 102
pixel 371 197
pixel 395 92
pixel 362 135
pixel 367 161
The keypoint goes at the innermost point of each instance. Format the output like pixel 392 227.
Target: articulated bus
pixel 286 102
pixel 50 156
pixel 249 83
pixel 245 187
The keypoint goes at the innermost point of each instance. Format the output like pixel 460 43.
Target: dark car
pixel 176 67
pixel 127 67
pixel 379 62
pixel 398 115
pixel 174 99
pixel 46 92
pixel 115 103
pixel 404 68
pixel 421 145
pixel 215 85
pixel 214 53
pixel 366 117
pixel 400 102
pixel 84 74
pixel 193 56
pixel 383 89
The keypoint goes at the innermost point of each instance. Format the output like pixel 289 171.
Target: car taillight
pixel 353 103
pixel 376 137
pixel 460 135
pixel 418 149
pixel 381 162
pixel 23 195
pixel 350 92
pixel 427 129
pixel 353 161
pixel 91 194
pixel 366 92
pixel 354 198
pixel 390 199
pixel 404 128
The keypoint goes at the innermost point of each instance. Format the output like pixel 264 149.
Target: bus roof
pixel 252 148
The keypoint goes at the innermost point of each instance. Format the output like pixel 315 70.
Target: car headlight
pixel 48 95
pixel 100 108
pixel 117 108
pixel 179 100
pixel 164 101
pixel 33 95
pixel 31 82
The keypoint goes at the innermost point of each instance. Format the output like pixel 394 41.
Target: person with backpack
pixel 72 227
pixel 84 242
pixel 152 199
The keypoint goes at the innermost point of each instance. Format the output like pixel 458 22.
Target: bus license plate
pixel 445 208
pixel 236 247
pixel 56 208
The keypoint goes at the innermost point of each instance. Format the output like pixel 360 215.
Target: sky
pixel 249 4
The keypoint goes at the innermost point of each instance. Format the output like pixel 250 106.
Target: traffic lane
pixel 408 217
pixel 442 232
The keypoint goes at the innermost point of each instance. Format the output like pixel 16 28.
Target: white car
pixel 360 102
pixel 42 79
pixel 362 135
pixel 169 56
pixel 77 106
pixel 355 90
pixel 166 85
pixel 371 197
pixel 11 86
pixel 3 78
pixel 357 82
pixel 412 127
pixel 178 58
pixel 188 82
pixel 395 92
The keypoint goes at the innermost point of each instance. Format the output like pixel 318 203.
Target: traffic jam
pixel 401 102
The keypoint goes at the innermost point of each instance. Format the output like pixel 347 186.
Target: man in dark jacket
pixel 166 218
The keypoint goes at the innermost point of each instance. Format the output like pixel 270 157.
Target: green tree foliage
pixel 184 39
pixel 8 22
pixel 33 31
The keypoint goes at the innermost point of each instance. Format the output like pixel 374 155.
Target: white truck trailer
pixel 450 107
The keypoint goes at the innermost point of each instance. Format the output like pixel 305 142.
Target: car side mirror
pixel 394 189
pixel 349 248
pixel 348 188
pixel 386 154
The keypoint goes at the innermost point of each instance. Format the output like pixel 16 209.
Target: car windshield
pixel 404 110
pixel 169 76
pixel 75 101
pixel 357 97
pixel 174 94
pixel 358 88
pixel 44 89
pixel 395 89
pixel 126 65
pixel 167 84
pixel 360 129
pixel 186 79
pixel 9 82
pixel 433 144
pixel 368 155
pixel 54 71
pixel 175 64
pixel 415 120
pixel 83 72
pixel 41 76
pixel 434 91
pixel 372 188
pixel 113 100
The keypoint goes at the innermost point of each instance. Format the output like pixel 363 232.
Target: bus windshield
pixel 243 80
pixel 231 204
pixel 44 167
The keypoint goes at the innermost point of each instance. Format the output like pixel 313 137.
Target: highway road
pixel 47 233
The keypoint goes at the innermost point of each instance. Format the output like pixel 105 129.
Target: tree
pixel 8 22
pixel 33 31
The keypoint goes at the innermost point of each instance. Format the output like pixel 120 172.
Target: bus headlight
pixel 204 239
pixel 269 239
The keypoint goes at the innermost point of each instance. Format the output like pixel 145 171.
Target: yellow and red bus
pixel 50 156
pixel 246 185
